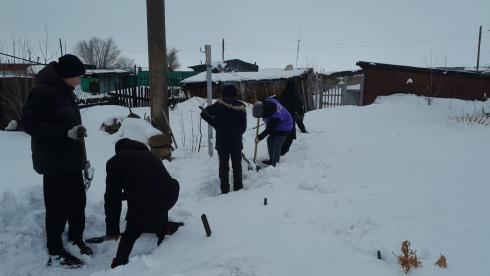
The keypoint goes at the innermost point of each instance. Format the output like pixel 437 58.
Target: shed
pixel 385 79
pixel 255 86
pixel 230 65
pixel 105 80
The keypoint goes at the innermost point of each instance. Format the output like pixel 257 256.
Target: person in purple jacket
pixel 279 124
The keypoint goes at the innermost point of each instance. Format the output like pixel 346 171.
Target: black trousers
pixel 64 199
pixel 224 169
pixel 129 237
pixel 133 232
pixel 289 139
pixel 287 144
pixel 301 125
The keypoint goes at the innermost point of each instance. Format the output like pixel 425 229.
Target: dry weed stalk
pixel 409 258
pixel 442 262
pixel 473 119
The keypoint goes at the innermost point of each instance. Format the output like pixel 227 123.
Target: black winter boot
pixel 267 162
pixel 84 248
pixel 64 259
pixel 115 263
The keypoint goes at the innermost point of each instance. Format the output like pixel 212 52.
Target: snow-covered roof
pixel 262 74
pixel 104 71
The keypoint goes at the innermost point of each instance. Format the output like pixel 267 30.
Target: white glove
pixel 77 133
pixel 257 140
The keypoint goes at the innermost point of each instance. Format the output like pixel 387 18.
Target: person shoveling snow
pixel 279 124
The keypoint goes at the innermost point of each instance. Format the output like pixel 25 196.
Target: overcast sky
pixel 333 34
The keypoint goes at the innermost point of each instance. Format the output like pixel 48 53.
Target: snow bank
pixel 364 179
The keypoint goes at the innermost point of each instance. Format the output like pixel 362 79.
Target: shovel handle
pixel 256 135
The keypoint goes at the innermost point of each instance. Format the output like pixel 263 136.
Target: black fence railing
pixel 135 96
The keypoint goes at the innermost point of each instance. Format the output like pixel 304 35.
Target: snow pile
pixel 136 129
pixel 364 179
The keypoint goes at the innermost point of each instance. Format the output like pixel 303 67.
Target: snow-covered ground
pixel 364 179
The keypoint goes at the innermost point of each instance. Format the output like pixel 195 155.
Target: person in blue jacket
pixel 279 124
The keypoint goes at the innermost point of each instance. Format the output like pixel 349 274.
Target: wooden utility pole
pixel 223 51
pixel 478 55
pixel 157 59
pixel 297 49
pixel 209 89
pixel 61 48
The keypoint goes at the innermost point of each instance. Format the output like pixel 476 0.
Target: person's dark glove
pixel 77 132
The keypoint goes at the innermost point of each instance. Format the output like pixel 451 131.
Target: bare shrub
pixel 476 118
pixel 442 262
pixel 408 259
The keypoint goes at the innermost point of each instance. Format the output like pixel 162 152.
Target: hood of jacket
pixel 232 104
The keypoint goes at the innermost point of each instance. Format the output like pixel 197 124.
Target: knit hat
pixel 69 66
pixel 229 90
pixel 257 110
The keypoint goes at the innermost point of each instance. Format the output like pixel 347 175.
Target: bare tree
pixel 45 49
pixel 433 88
pixel 103 53
pixel 20 47
pixel 124 62
pixel 15 87
pixel 172 60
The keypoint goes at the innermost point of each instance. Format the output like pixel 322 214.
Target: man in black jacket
pixel 138 176
pixel 229 119
pixel 52 118
pixel 290 99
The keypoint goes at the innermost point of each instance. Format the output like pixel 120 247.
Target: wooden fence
pixel 331 97
pixel 338 90
pixel 136 96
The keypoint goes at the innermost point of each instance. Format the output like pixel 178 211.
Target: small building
pixel 381 79
pixel 15 69
pixel 104 81
pixel 16 80
pixel 362 87
pixel 231 65
pixel 255 86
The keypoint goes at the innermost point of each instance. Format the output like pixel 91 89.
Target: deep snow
pixel 364 179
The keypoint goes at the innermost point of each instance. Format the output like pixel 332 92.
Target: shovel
pixel 170 228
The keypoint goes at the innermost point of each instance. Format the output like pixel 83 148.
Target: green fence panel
pixel 173 77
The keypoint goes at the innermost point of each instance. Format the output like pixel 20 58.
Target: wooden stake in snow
pixel 206 225
pixel 379 255
pixel 265 200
